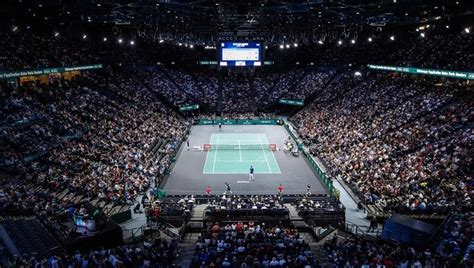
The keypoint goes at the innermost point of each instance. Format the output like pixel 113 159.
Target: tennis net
pixel 260 146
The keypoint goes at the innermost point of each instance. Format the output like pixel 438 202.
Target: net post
pixel 206 147
pixel 272 147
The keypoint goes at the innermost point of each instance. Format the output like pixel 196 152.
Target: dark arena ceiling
pixel 319 28
pixel 202 22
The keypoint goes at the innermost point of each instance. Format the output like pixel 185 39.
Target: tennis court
pixel 233 153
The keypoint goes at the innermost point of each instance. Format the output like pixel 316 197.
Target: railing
pixel 361 231
pixel 169 232
pixel 166 228
pixel 315 166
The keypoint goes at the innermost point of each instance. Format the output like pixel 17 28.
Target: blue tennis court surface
pixel 235 153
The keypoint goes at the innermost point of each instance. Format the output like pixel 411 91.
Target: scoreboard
pixel 240 54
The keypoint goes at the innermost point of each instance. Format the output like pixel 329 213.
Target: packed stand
pixel 366 253
pixel 151 253
pixel 93 137
pixel 457 240
pixel 414 153
pixel 251 244
pixel 311 82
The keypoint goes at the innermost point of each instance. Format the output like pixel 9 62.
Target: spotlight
pixel 191 46
pixel 357 74
pixel 467 30
pixel 295 44
pixel 56 34
pixel 132 43
pixel 161 41
pixel 15 28
pixel 422 35
pixel 353 41
pixel 180 44
pixel 84 36
pixel 369 39
pixel 282 47
pixel 120 41
pixel 447 26
pixel 320 42
pixel 392 37
pixel 266 47
pixel 339 42
pixel 105 39
pixel 287 46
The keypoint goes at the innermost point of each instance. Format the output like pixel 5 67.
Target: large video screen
pixel 240 54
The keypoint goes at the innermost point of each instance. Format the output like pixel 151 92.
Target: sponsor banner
pixel 292 102
pixel 190 107
pixel 238 122
pixel 36 72
pixel 433 72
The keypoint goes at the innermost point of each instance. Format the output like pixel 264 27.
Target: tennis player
pixel 251 178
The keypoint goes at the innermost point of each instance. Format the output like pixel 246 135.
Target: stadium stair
pixel 294 216
pixel 188 246
pixel 316 250
pixel 196 221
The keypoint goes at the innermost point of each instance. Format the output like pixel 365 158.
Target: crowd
pixel 309 202
pixel 241 92
pixel 151 253
pixel 401 144
pixel 454 249
pixel 251 244
pixel 365 253
pixel 458 237
pixel 169 207
pixel 229 201
pixel 91 138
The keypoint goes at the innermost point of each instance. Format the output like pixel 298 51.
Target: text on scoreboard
pixel 240 54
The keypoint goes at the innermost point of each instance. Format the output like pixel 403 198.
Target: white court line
pixel 274 159
pixel 243 161
pixel 264 154
pixel 215 154
pixel 240 152
pixel 207 156
pixel 234 140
